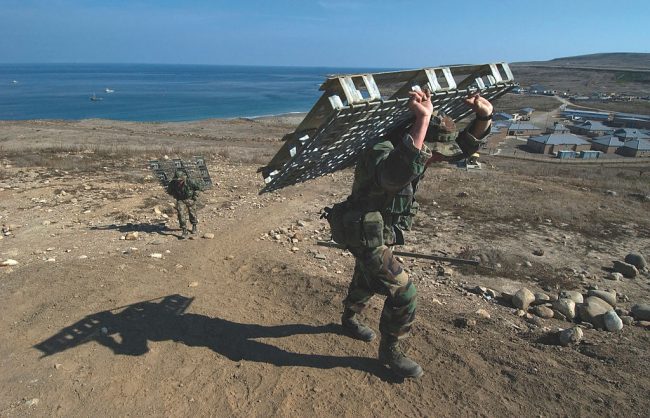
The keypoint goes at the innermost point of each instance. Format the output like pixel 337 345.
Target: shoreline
pixel 268 117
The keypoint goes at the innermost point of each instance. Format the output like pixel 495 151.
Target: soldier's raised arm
pixel 409 157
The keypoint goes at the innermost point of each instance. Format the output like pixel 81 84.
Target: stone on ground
pixel 523 298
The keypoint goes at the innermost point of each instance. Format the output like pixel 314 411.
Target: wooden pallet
pixel 196 169
pixel 355 110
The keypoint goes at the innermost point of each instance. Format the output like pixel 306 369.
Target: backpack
pixel 178 189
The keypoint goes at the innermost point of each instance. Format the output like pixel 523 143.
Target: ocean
pixel 147 92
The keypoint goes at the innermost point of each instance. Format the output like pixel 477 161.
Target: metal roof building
pixel 635 148
pixel 553 143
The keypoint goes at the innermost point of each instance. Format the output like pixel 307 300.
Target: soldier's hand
pixel 480 105
pixel 420 103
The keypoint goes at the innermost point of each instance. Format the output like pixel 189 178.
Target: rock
pixel 193 284
pixel 208 235
pixel 538 252
pixel 612 322
pixel 528 263
pixel 83 257
pixel 32 402
pixel 541 298
pixel 616 276
pixel 157 210
pixel 463 194
pixel 611 193
pixel 559 315
pixel 566 307
pixel 627 270
pixel 156 255
pixel 534 320
pixel 571 336
pixel 230 257
pixel 543 312
pixel 523 298
pixel 627 320
pixel 295 249
pixel 9 262
pixel 636 260
pixel 483 313
pixel 131 236
pixel 320 256
pixel 644 324
pixel 573 295
pixel 609 297
pixel 520 313
pixel 593 311
pixel 641 312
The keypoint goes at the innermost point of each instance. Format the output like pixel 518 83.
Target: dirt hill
pixel 604 60
pixel 108 313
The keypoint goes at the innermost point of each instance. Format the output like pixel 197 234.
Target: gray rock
pixel 543 312
pixel 627 320
pixel 571 336
pixel 636 260
pixel 566 307
pixel 541 298
pixel 616 276
pixel 641 312
pixel 609 297
pixel 559 315
pixel 612 322
pixel 593 311
pixel 574 295
pixel 627 270
pixel 523 298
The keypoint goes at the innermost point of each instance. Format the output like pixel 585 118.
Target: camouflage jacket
pixel 386 179
pixel 183 189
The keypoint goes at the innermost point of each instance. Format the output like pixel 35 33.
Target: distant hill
pixel 612 60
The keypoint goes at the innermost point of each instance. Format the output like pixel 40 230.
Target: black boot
pixel 194 230
pixel 184 233
pixel 392 356
pixel 355 328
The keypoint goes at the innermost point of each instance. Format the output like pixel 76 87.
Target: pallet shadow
pixel 129 331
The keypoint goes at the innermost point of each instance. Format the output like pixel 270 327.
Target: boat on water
pixel 109 91
pixel 94 98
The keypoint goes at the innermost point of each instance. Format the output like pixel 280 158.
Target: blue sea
pixel 146 92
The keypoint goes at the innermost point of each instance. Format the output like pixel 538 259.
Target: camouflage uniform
pixel 385 181
pixel 186 192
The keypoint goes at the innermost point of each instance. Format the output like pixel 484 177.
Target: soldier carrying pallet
pixel 382 205
pixel 185 191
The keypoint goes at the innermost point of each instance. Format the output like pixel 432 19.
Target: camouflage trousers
pixel 377 271
pixel 188 205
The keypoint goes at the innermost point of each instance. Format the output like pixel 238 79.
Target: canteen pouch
pixel 334 216
pixel 373 230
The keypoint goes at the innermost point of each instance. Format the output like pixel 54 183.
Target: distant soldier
pixel 382 205
pixel 185 191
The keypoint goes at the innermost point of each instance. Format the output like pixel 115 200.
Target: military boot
pixel 390 354
pixel 184 234
pixel 194 230
pixel 355 328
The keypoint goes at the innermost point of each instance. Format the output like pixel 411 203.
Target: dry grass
pixel 512 103
pixel 526 194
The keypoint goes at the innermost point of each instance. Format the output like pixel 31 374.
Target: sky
pixel 331 33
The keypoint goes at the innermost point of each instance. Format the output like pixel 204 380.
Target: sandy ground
pixel 246 323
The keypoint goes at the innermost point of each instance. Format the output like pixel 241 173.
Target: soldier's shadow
pixel 159 228
pixel 129 331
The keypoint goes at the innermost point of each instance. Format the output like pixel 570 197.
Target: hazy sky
pixel 336 33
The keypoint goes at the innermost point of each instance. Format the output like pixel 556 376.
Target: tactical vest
pixel 375 214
